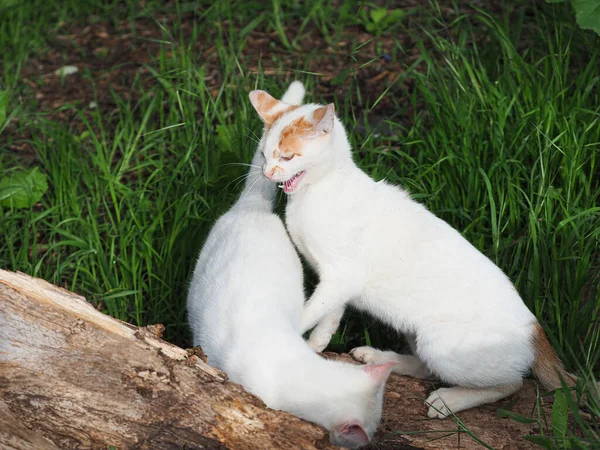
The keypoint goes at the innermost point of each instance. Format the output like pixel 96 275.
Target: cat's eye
pixel 287 158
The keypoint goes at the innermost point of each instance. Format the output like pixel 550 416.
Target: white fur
pixel 382 252
pixel 294 94
pixel 245 305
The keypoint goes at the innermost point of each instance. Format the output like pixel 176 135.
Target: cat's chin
pixel 292 184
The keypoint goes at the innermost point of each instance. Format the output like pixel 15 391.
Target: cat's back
pixel 420 254
pixel 243 273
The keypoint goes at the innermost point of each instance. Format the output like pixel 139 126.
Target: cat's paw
pixel 319 337
pixel 365 354
pixel 441 403
pixel 318 345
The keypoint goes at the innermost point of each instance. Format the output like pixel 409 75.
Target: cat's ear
pixel 268 107
pixel 379 373
pixel 351 434
pixel 323 118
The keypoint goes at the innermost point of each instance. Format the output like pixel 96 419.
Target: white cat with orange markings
pixel 382 252
pixel 245 306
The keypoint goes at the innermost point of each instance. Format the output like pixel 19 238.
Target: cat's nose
pixel 271 173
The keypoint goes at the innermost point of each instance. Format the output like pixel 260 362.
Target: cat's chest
pixel 313 222
pixel 305 216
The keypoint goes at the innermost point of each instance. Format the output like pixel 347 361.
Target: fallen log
pixel 72 377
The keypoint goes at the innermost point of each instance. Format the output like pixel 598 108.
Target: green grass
pixel 500 137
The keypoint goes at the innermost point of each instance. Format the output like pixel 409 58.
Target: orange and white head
pixel 295 140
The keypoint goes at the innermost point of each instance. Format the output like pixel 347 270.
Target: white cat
pixel 245 306
pixel 382 252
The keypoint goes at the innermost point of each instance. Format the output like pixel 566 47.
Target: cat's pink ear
pixel 351 434
pixel 268 107
pixel 379 373
pixel 323 118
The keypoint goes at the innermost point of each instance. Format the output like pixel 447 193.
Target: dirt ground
pixel 113 55
pixel 405 424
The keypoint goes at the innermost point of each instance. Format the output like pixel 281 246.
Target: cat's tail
pixel 547 367
pixel 294 94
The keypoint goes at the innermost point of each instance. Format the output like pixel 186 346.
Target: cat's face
pixel 294 140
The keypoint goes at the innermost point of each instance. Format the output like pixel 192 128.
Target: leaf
pixel 119 294
pixel 542 441
pixel 378 14
pixel 587 13
pixel 3 106
pixel 394 16
pixel 23 189
pixel 515 416
pixel 371 27
pixel 560 415
pixel 252 25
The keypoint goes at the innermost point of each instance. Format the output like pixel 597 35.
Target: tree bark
pixel 72 377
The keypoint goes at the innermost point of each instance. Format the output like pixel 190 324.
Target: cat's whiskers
pixel 240 164
pixel 253 136
pixel 239 180
pixel 256 180
pixel 244 181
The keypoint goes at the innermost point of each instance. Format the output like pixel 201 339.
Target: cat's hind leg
pixel 404 364
pixel 484 361
pixel 445 401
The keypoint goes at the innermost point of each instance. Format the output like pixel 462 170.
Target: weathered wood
pixel 72 377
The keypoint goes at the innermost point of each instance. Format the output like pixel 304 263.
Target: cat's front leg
pixel 330 295
pixel 321 334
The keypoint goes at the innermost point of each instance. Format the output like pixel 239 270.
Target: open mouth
pixel 291 185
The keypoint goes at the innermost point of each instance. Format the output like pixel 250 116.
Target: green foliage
pixel 561 437
pixel 560 418
pixel 543 441
pixel 515 416
pixel 587 13
pixel 378 20
pixel 5 116
pixel 22 189
pixel 3 106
